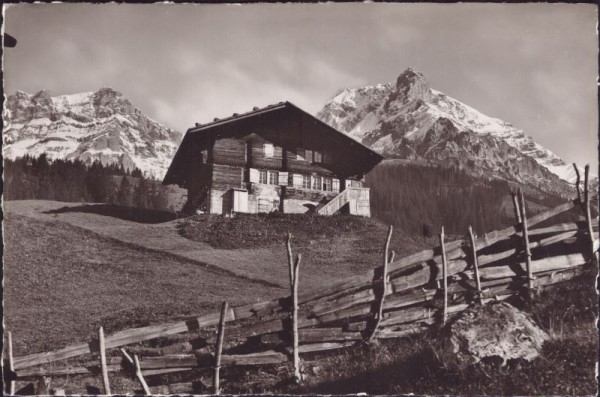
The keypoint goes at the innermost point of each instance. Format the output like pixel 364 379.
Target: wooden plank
pixel 555 263
pixel 321 347
pixel 78 370
pixel 260 358
pixel 563 227
pixel 314 335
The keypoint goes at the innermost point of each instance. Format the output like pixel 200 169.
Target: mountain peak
pixel 410 120
pixel 412 84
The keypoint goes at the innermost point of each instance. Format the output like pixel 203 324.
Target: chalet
pixel 277 158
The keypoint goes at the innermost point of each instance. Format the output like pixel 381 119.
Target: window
pixel 317 157
pixel 273 178
pixel 316 183
pixel 263 177
pixel 308 155
pixel 306 181
pixel 300 154
pixel 335 185
pixel 327 184
pixel 269 149
pixel 298 180
pixel 327 158
pixel 290 179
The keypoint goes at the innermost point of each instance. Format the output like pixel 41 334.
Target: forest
pixel 417 198
pixel 74 181
pixel 421 198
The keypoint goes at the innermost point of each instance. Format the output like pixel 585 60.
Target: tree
pixel 125 195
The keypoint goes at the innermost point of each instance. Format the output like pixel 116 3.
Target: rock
pixel 496 330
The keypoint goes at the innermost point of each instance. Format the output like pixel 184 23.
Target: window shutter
pixel 254 175
pixel 283 178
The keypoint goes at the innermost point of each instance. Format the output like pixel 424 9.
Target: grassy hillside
pixel 332 247
pixel 61 283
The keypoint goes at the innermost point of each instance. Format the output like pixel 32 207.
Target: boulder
pixel 497 330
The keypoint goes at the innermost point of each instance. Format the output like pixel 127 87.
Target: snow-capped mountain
pixel 101 125
pixel 410 120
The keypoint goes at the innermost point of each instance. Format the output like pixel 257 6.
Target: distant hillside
pixel 420 197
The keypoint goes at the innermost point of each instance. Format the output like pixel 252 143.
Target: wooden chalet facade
pixel 278 158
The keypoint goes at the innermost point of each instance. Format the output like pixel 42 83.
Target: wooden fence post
pixel 516 208
pixel 444 276
pixel 294 271
pixel 588 211
pixel 526 240
pixel 387 258
pixel 295 339
pixel 11 365
pixel 138 370
pixel 138 373
pixel 103 361
pixel 577 184
pixel 219 348
pixel 475 264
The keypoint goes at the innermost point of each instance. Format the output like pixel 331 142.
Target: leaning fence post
pixel 138 370
pixel 387 258
pixel 444 275
pixel 11 364
pixel 138 373
pixel 103 361
pixel 588 211
pixel 526 240
pixel 219 348
pixel 475 264
pixel 516 208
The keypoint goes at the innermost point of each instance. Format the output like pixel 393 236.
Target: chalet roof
pixel 213 127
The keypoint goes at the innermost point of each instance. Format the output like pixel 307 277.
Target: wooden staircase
pixel 335 204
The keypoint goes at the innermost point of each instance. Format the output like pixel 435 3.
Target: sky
pixel 534 65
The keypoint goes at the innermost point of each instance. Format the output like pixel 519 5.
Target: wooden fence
pixel 401 297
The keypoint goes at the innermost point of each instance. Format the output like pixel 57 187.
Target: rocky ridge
pixel 410 120
pixel 90 126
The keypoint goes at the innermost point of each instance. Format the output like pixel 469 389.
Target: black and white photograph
pixel 300 198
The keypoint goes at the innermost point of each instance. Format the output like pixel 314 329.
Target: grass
pixel 61 283
pixel 332 247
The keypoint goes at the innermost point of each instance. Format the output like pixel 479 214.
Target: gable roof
pixel 175 172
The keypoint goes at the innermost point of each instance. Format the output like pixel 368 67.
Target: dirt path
pixel 268 266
